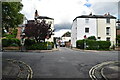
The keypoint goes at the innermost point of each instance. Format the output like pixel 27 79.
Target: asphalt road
pixel 65 63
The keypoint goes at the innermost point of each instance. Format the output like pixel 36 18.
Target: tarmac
pixel 14 69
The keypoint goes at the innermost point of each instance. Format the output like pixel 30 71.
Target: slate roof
pixel 95 16
pixel 44 17
pixel 118 21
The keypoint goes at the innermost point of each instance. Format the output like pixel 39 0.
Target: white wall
pixel 81 25
pixel 74 33
pixel 66 39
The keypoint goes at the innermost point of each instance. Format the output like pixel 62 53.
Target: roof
pixel 118 21
pixel 95 16
pixel 31 21
pixel 44 17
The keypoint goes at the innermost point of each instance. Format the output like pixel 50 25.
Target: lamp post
pixel 22 41
pixel 85 41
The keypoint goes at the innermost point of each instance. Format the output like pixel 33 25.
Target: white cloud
pixel 61 32
pixel 64 11
pixel 60 10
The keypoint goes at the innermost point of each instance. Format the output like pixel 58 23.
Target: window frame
pixel 108 31
pixel 108 20
pixel 87 30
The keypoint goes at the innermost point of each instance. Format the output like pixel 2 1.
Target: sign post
pixel 85 41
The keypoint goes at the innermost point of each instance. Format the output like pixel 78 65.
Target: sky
pixel 64 11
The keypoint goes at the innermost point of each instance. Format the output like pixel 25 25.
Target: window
pixel 87 20
pixel 108 39
pixel 107 30
pixel 86 30
pixel 99 37
pixel 108 20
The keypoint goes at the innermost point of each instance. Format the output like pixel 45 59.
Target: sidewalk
pixel 112 71
pixel 38 51
pixel 13 69
pixel 91 50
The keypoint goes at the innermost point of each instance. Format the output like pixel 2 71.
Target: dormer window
pixel 108 20
pixel 86 20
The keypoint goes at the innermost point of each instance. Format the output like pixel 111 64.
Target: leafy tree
pixel 92 38
pixel 39 31
pixel 11 16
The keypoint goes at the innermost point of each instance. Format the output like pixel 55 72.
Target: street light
pixel 22 41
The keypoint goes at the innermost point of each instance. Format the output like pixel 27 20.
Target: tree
pixel 11 16
pixel 39 31
pixel 92 38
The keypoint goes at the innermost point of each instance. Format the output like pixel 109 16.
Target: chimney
pixel 108 14
pixel 90 14
pixel 36 14
pixel 105 14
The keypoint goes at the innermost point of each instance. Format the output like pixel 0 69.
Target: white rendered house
pixel 103 27
pixel 48 21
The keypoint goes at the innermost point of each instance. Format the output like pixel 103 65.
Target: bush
pixel 93 45
pixel 80 44
pixel 29 42
pixel 15 45
pixel 40 46
pixel 10 41
pixel 92 38
pixel 104 45
pixel 12 35
pixel 14 32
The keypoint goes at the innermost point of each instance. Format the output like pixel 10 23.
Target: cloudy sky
pixel 64 11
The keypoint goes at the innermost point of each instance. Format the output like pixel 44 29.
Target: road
pixel 65 63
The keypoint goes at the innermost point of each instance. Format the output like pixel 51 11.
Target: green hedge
pixel 12 35
pixel 10 42
pixel 29 42
pixel 104 45
pixel 93 45
pixel 80 44
pixel 32 45
pixel 37 46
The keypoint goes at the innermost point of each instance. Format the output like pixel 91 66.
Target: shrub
pixel 93 45
pixel 15 45
pixel 10 41
pixel 12 35
pixel 29 42
pixel 104 45
pixel 9 36
pixel 92 38
pixel 80 44
pixel 40 46
pixel 14 32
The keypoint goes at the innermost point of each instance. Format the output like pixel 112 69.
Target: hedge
pixel 93 45
pixel 12 35
pixel 30 44
pixel 10 42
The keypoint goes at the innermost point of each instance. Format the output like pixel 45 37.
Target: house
pixel 118 27
pixel 48 21
pixel 103 27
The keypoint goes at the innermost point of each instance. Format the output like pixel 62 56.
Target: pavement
pixel 13 69
pixel 38 51
pixel 17 69
pixel 112 71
